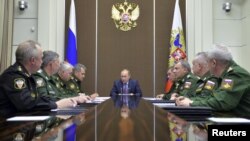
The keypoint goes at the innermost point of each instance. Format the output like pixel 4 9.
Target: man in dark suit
pixel 126 85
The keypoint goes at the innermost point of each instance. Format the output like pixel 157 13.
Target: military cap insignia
pixel 19 83
pixel 40 82
pixel 209 85
pixel 187 85
pixel 227 84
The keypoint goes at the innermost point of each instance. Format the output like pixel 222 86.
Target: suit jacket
pixel 133 87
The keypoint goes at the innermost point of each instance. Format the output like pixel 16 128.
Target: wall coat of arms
pixel 125 15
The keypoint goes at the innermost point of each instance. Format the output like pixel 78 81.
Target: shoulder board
pixel 227 84
pixel 209 85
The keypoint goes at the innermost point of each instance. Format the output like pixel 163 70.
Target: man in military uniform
pixel 170 81
pixel 18 88
pixel 74 84
pixel 46 85
pixel 78 75
pixel 185 81
pixel 207 82
pixel 62 77
pixel 233 95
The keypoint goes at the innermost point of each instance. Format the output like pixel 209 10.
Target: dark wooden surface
pixel 111 120
pixel 107 122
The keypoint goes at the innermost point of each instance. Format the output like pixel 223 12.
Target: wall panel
pixel 106 50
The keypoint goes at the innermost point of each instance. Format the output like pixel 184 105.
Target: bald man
pixel 126 85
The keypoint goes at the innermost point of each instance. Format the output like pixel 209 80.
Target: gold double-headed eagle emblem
pixel 125 15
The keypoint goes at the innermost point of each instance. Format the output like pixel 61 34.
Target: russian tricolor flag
pixel 71 50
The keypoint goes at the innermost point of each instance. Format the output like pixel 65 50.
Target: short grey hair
pixel 65 66
pixel 77 67
pixel 49 56
pixel 186 65
pixel 27 50
pixel 220 53
pixel 202 58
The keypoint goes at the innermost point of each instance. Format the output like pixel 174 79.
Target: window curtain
pixel 6 26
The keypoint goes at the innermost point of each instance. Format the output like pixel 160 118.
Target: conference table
pixel 120 118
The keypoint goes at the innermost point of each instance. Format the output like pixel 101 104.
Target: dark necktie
pixel 125 91
pixel 124 88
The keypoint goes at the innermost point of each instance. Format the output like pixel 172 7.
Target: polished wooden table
pixel 121 118
pixel 128 120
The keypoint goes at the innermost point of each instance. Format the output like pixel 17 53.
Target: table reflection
pixel 130 101
pixel 121 118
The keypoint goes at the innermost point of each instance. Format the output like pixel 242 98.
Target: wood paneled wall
pixel 105 50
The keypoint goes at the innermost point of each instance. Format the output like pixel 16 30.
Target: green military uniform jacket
pixel 62 87
pixel 204 87
pixel 18 92
pixel 74 85
pixel 47 86
pixel 233 95
pixel 182 86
